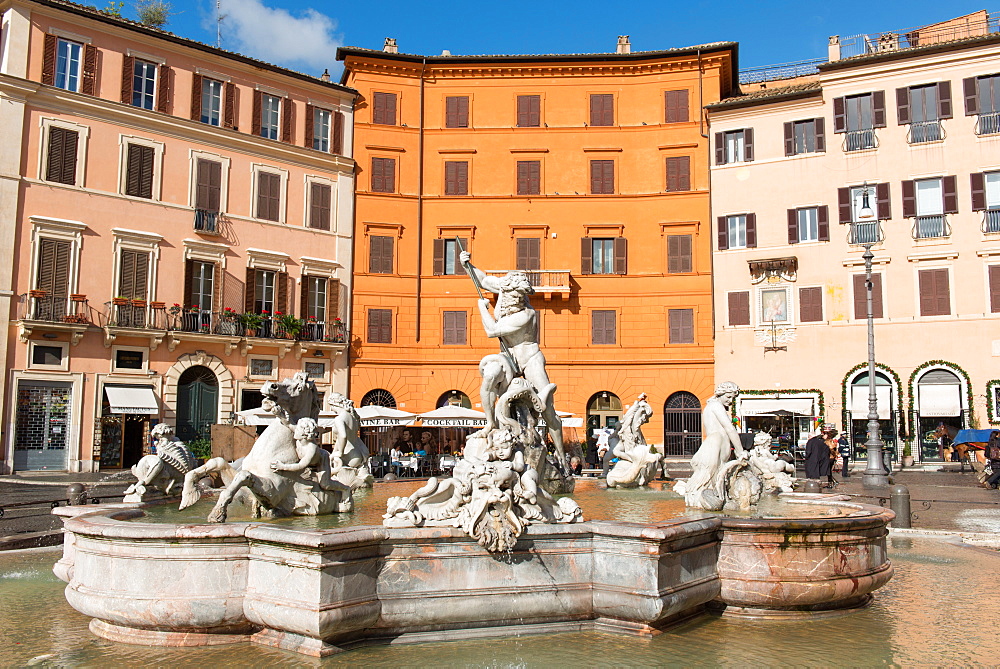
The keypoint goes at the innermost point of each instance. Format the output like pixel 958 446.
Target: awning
pixel 453 416
pixel 938 400
pixel 375 416
pixel 763 406
pixel 132 399
pixel 859 402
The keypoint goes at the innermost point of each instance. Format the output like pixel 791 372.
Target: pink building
pixel 179 224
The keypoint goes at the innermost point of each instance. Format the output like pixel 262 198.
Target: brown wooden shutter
pixel 934 292
pixel 876 296
pixel 839 115
pixel 388 249
pixel 133 274
pixel 529 253
pixel 164 88
pixel 748 144
pixel 338 133
pixel 970 89
pixel 679 173
pixel 448 327
pixel 529 111
pixel 793 226
pixel 720 149
pixel 457 268
pixel 384 109
pixel 229 108
pixel 389 174
pixel 978 180
pixel 883 208
pixel 196 97
pixel 789 130
pixel 61 159
pixel 374 321
pixel 596 173
pixel 994 288
pixel 586 255
pixel 456 112
pixel 681 326
pixel 382 321
pixel 454 328
pixel 208 186
pixel 739 308
pixel 390 112
pixel 463 112
pixel 310 126
pixel 332 300
pixel 522 111
pixel 909 199
pixel 49 59
pixel 621 255
pixel 603 327
pixel 810 304
pixel 287 116
pixel 602 177
pixel 944 99
pixel 304 295
pixel 529 177
pixel 676 106
pixel 378 108
pixel 861 296
pixel 258 108
pixel 823 223
pixel 89 83
pixel 456 177
pixel 139 171
pixel 128 74
pixel 903 105
pixel 375 254
pixel 378 180
pixel 723 233
pixel 845 212
pixel 188 283
pixel 53 267
pixel 438 257
pixel 878 109
pixel 820 134
pixel 319 206
pixel 602 109
pixel 949 186
pixel 281 299
pixel 249 289
pixel 679 260
pixel 461 327
pixel 751 231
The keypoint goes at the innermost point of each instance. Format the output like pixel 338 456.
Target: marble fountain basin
pixel 320 591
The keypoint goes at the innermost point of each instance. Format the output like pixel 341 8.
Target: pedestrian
pixel 817 456
pixel 844 446
pixel 604 450
pixel 834 449
pixel 993 455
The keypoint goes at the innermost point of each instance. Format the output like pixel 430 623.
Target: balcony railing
pixel 991 220
pixel 858 140
pixel 542 280
pixel 988 123
pixel 926 131
pixel 206 221
pixel 929 227
pixel 53 309
pixel 867 232
pixel 135 314
pixel 233 324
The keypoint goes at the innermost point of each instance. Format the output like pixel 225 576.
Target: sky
pixel 304 34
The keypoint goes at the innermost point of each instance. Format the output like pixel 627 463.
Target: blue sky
pixel 303 34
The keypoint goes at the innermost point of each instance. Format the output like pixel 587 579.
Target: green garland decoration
pixel 991 414
pixel 938 363
pixel 789 391
pixel 879 367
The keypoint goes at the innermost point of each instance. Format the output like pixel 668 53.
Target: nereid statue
pixel 637 462
pixel 163 470
pixel 349 458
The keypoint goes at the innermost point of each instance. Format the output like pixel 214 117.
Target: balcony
pixel 859 140
pixel 926 131
pixel 991 220
pixel 988 123
pixel 134 314
pixel 930 227
pixel 864 233
pixel 546 282
pixel 38 310
pixel 206 222
pixel 257 326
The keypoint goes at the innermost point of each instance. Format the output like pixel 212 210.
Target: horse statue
pixel 285 472
pixel 162 470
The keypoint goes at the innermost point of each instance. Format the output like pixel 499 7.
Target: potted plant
pixel 229 322
pixel 78 297
pixel 339 337
pixel 290 325
pixel 907 456
pixel 38 293
pixel 250 322
pixel 157 305
pixel 138 303
pixel 119 301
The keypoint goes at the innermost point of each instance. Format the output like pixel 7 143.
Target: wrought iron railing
pixel 206 221
pixel 541 279
pixel 260 326
pixel 866 232
pixel 925 131
pixel 929 227
pixel 53 309
pixel 858 140
pixel 991 220
pixel 988 123
pixel 800 68
pixel 856 45
pixel 134 314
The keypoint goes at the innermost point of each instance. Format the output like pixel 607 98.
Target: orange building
pixel 588 171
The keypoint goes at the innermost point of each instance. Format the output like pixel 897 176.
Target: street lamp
pixel 874 475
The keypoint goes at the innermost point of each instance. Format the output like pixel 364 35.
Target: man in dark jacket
pixel 818 455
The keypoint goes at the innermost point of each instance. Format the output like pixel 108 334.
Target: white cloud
pixel 307 40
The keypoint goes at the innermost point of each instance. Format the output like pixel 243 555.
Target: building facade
pixel 179 223
pixel 589 172
pixel 899 149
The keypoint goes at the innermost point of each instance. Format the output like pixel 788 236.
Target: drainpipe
pixel 420 198
pixel 708 144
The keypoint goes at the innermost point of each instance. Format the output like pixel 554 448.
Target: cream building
pixel 916 123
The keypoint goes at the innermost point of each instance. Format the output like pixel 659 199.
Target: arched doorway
pixel 681 424
pixel 381 438
pixel 603 410
pixel 197 403
pixel 938 400
pixel 886 396
pixel 455 398
pixel 378 398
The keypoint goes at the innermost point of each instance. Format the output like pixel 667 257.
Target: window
pixel 384 108
pixel 380 250
pixel 263 291
pixel 681 322
pixel 133 274
pixel 139 170
pixel 994 279
pixel 143 84
pixel 986 198
pixel 982 98
pixel 456 177
pixel 211 101
pixel 928 201
pixel 456 113
pixel 604 255
pixel 679 173
pixel 454 328
pixel 529 255
pixel 314 293
pixel 262 367
pixel 380 326
pixel 320 302
pixel 53 276
pixel 602 109
pixel 861 296
pixel 321 130
pixel 529 181
pixel 852 203
pixel 739 307
pixel 270 106
pixel 738 231
pixel 49 355
pixel 268 196
pixel 315 370
pixel 805 137
pixel 603 327
pixel 602 177
pixel 734 146
pixel 935 296
pixel 61 156
pixel 320 197
pixel 811 304
pixel 679 254
pixel 446 256
pixel 922 107
pixel 676 106
pixel 208 185
pixel 809 224
pixel 68 65
pixel 202 284
pixel 529 113
pixel 383 175
pixel 858 116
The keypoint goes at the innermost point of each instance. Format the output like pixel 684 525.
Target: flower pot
pixel 38 293
pixel 119 301
pixel 157 305
pixel 138 303
pixel 907 460
pixel 78 297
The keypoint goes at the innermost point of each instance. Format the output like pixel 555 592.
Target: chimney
pixel 833 48
pixel 325 76
pixel 390 45
pixel 624 46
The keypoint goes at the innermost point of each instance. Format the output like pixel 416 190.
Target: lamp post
pixel 874 475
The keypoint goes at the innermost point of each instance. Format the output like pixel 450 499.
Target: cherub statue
pixel 164 469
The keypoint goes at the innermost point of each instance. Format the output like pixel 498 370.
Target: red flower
pixel 265 312
pixel 278 313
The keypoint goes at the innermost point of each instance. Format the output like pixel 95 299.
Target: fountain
pixel 637 462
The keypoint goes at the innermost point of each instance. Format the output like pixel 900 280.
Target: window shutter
pixel 678 254
pixel 793 226
pixel 126 274
pixel 338 132
pixel 934 292
pixel 281 299
pixel 89 84
pixel 390 115
pixel 388 249
pixel 789 130
pixel 287 114
pixel 970 89
pixel 438 257
pixel 676 105
pixel 748 144
pixel 375 326
pixel 823 223
pixel 978 191
pixel 448 328
pixel 208 188
pixel 720 149
pixel 61 165
pixel 820 134
pixel 597 327
pixel 164 88
pixel 319 206
pixel 903 105
pixel 528 177
pixel 751 231
pixel 229 108
pixel 739 308
pixel 949 185
pixel 925 281
pixel 994 288
pixel 596 172
pixel 389 174
pixel 307 285
pixel 529 253
pixel 378 180
pixel 53 267
pixel 49 59
pixel 586 255
pixel 602 109
pixel 385 331
pixel 882 207
pixel 139 171
pixel 128 73
pixel 607 169
pixel 458 268
pixel 451 112
pixel 258 100
pixel 186 298
pixel 332 300
pixel 944 99
pixel 248 290
pixel 456 177
pixel 460 327
pixel 310 126
pixel 522 111
pixel 876 296
pixel 378 108
pixel 909 199
pixel 681 323
pixel 878 109
pixel 196 97
pixel 268 196
pixel 723 233
pixel 861 296
pixel 679 173
pixel 810 304
pixel 529 111
pixel 621 255
pixel 839 116
pixel 375 254
pixel 844 205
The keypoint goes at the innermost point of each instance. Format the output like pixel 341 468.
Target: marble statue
pixel 497 488
pixel 349 458
pixel 286 472
pixel 776 474
pixel 637 461
pixel 163 470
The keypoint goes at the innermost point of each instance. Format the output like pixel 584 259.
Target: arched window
pixel 603 410
pixel 938 401
pixel 681 424
pixel 378 398
pixel 454 398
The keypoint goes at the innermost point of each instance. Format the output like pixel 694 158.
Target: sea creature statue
pixel 349 458
pixel 163 470
pixel 776 474
pixel 495 490
pixel 637 462
pixel 286 472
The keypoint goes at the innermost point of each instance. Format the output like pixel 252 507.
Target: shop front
pixel 888 417
pixel 127 414
pixel 789 420
pixel 939 402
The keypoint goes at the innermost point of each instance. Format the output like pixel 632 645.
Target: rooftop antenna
pixel 219 16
